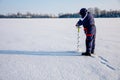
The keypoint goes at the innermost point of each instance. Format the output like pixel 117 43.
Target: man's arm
pixel 79 23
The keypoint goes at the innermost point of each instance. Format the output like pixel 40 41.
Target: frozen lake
pixel 47 34
pixel 47 48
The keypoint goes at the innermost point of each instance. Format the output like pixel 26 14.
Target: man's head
pixel 83 12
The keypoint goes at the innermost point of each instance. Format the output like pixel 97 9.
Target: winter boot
pixel 92 52
pixel 86 54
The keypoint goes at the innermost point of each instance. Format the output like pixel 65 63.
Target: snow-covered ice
pixel 44 49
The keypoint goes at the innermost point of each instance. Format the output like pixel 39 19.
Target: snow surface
pixel 45 49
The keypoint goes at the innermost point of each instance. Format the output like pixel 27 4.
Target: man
pixel 90 30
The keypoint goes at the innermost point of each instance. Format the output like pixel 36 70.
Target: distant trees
pixel 27 15
pixel 69 15
pixel 104 13
pixel 95 11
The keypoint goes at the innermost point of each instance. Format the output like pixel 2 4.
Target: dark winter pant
pixel 90 41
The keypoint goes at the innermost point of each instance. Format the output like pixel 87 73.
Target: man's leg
pixel 93 44
pixel 88 46
pixel 89 40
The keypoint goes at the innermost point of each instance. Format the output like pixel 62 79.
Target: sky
pixel 55 6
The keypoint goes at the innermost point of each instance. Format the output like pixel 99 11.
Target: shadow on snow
pixel 41 53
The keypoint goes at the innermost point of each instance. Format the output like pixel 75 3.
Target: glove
pixel 77 25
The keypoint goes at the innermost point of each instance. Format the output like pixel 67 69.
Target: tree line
pixel 98 13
